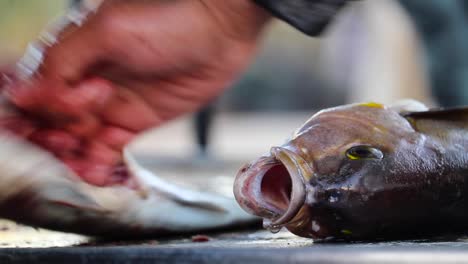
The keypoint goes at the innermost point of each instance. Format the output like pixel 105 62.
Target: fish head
pixel 343 174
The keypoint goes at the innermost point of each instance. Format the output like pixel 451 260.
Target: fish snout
pixel 274 186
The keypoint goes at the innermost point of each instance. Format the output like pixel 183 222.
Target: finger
pixel 84 104
pixel 69 59
pixel 58 31
pixel 129 111
pixel 71 46
pixel 61 57
pixel 49 106
pixel 84 126
pixel 89 96
pixel 114 137
pixel 99 153
pixel 59 142
pixel 92 173
pixel 18 125
pixel 74 109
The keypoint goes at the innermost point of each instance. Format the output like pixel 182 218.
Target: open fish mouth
pixel 273 187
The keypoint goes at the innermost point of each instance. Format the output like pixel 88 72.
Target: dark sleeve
pixel 308 16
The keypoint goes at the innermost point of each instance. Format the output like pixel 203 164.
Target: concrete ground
pixel 244 247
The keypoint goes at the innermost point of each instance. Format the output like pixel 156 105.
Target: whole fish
pixel 38 189
pixel 365 172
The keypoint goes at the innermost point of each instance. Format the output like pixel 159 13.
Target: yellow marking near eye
pixel 373 105
pixel 352 157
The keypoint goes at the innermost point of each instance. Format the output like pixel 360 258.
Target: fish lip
pixel 297 168
pixel 247 186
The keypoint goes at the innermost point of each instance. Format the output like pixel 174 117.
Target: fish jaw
pixel 274 187
pixel 282 189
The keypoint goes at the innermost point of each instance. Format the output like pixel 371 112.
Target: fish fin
pixel 76 205
pixel 73 198
pixel 182 196
pixel 408 106
pixel 439 122
pixel 203 205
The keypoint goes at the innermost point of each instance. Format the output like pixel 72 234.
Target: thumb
pixel 69 57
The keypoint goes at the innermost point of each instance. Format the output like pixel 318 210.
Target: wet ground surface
pixel 250 246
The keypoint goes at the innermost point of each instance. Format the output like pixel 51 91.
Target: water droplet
pixel 365 198
pixel 271 227
pixel 315 226
pixel 274 229
pixel 333 199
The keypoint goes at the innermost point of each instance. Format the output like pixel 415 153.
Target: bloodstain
pixel 201 238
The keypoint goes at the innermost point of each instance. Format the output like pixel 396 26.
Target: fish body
pixel 365 172
pixel 41 191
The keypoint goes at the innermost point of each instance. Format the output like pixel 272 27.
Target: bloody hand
pixel 85 91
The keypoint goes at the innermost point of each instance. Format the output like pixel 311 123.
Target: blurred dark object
pixel 308 16
pixel 75 2
pixel 443 27
pixel 202 123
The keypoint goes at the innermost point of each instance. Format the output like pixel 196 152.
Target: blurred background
pixel 380 50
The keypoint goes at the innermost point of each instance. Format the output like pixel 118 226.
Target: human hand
pixel 129 66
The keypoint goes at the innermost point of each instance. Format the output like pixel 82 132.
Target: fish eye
pixel 364 152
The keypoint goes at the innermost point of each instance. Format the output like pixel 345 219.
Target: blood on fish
pixel 201 238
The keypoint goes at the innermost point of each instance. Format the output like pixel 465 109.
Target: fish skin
pixel 418 189
pixel 41 191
